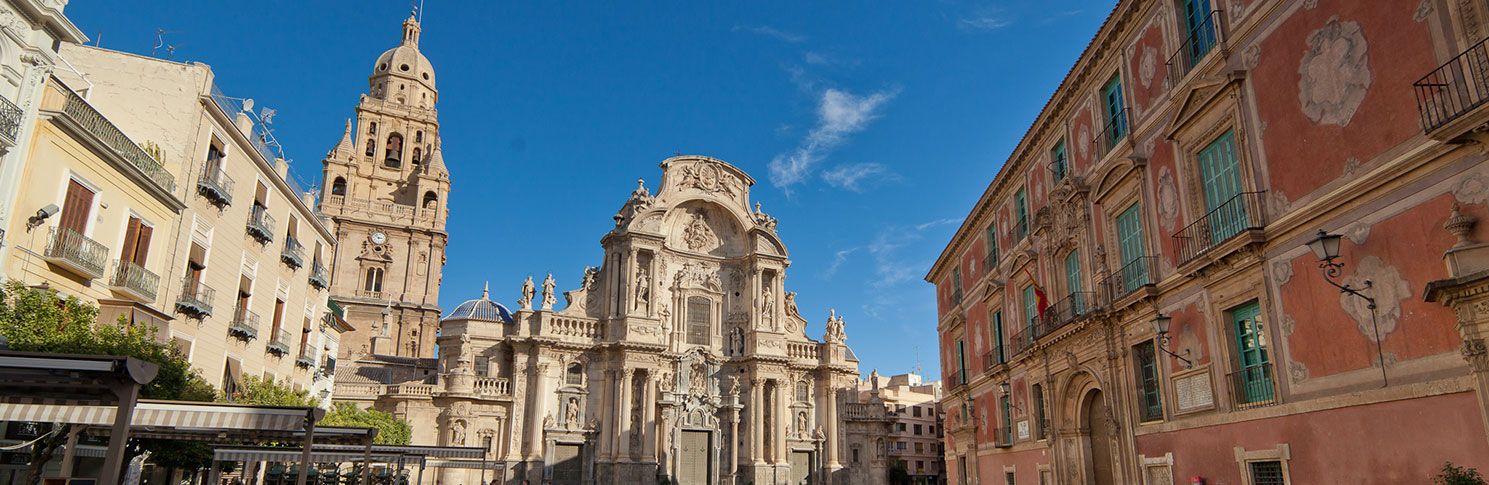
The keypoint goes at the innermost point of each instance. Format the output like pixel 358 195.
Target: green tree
pixel 1457 475
pixel 391 430
pixel 37 320
pixel 268 392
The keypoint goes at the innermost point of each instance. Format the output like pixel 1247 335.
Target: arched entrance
pixel 1096 419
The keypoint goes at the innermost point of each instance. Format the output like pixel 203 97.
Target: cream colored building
pixel 681 356
pixel 914 440
pixel 244 276
pixel 27 59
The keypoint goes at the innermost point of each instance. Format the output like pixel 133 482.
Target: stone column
pixel 757 421
pixel 733 445
pixel 1467 293
pixel 782 421
pixel 624 408
pixel 832 427
pixel 649 423
pixel 539 412
pixel 522 420
pixel 604 446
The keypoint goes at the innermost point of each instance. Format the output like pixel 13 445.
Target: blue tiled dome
pixel 482 309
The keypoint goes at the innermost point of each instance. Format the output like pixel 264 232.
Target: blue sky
pixel 870 127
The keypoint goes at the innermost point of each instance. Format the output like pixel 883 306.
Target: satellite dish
pixel 248 105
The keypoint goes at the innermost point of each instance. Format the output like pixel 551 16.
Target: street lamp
pixel 1325 247
pixel 1161 324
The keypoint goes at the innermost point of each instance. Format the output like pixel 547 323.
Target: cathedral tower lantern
pixel 385 189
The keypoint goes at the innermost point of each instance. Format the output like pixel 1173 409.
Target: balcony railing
pixel 135 280
pixel 990 261
pixel 293 253
pixel 261 224
pixel 318 277
pixel 956 296
pixel 280 344
pixel 10 120
pixel 216 186
pixel 195 299
pixel 1129 278
pixel 1068 309
pixel 1234 216
pixel 1114 131
pixel 1454 88
pixel 245 324
pixel 85 116
pixel 67 248
pixel 1020 229
pixel 1003 437
pixel 1203 36
pixel 958 378
pixel 1253 387
pixel 1023 339
pixel 305 360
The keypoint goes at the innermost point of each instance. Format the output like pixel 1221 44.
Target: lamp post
pixel 1161 324
pixel 1325 247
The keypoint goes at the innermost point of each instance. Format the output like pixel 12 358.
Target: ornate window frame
pixel 1281 453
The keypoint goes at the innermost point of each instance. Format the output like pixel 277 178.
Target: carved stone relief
pixel 1388 289
pixel 1334 73
pixel 1168 200
pixel 1148 66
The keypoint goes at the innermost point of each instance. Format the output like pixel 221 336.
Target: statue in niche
pixel 548 299
pixel 526 302
pixel 697 235
pixel 697 380
pixel 643 288
pixel 801 424
pixel 664 382
pixel 571 418
pixel 736 341
pixel 768 305
pixel 457 433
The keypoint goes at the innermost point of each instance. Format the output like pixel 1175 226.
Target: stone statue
pixel 571 418
pixel 526 302
pixel 835 333
pixel 736 341
pixel 548 299
pixel 801 424
pixel 734 387
pixel 768 305
pixel 457 433
pixel 818 434
pixel 588 280
pixel 548 422
pixel 643 289
pixel 464 359
pixel 791 304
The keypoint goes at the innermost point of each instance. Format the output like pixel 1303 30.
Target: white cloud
pixel 838 258
pixel 839 114
pixel 985 19
pixel 773 32
pixel 849 176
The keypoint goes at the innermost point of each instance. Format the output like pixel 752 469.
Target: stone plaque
pixel 1193 392
pixel 1024 429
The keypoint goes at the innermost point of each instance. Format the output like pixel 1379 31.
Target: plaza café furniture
pixel 397 455
pixel 98 396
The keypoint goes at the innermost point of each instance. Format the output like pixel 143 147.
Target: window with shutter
pixel 1130 239
pixel 1073 282
pixel 76 207
pixel 998 349
pixel 136 242
pixel 1251 354
pixel 699 321
pixel 1147 364
pixel 1222 182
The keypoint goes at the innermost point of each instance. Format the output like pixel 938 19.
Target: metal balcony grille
pixel 1253 387
pixel 136 280
pixel 216 186
pixel 1114 131
pixel 76 252
pixel 1203 36
pixel 318 276
pixel 84 115
pixel 1129 278
pixel 10 120
pixel 293 253
pixel 1454 88
pixel 245 324
pixel 261 224
pixel 195 299
pixel 1068 309
pixel 1234 216
pixel 280 344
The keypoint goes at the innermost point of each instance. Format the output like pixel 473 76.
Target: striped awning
pixel 170 414
pixel 292 455
pixel 467 464
pixel 417 450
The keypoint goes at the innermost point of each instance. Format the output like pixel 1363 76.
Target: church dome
pixel 481 309
pixel 406 61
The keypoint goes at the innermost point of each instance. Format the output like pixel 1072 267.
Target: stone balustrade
pixel 358 390
pixel 798 350
pixel 570 327
pixel 340 204
pixel 859 410
pixel 411 390
pixel 495 386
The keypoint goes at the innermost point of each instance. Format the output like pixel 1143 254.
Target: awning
pixel 170 414
pixel 281 455
pixel 413 450
pixel 467 464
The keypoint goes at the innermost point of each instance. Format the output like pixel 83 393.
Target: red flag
pixel 1041 302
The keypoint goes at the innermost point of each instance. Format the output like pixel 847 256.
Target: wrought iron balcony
pixel 1114 131
pixel 1024 339
pixel 958 379
pixel 990 261
pixel 280 343
pixel 1235 216
pixel 1454 88
pixel 10 121
pixel 1203 37
pixel 1003 437
pixel 245 324
pixel 135 281
pixel 196 298
pixel 84 115
pixel 318 277
pixel 293 253
pixel 261 224
pixel 1131 277
pixel 1068 309
pixel 216 186
pixel 1253 387
pixel 329 368
pixel 1020 229
pixel 305 360
pixel 956 296
pixel 77 253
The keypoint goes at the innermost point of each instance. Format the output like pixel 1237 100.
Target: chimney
pixel 244 122
pixel 308 198
pixel 282 168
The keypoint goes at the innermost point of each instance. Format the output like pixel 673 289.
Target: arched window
pixel 371 146
pixel 415 158
pixel 430 200
pixel 338 187
pixel 394 152
pixel 700 321
pixel 372 128
pixel 374 280
pixel 803 392
pixel 575 375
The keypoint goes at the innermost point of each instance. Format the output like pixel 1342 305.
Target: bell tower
pixel 385 189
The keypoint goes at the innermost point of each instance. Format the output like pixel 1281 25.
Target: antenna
pixel 98 39
pixel 917 360
pixel 171 49
pixel 160 39
pixel 421 13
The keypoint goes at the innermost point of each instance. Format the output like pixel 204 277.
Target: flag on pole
pixel 1041 302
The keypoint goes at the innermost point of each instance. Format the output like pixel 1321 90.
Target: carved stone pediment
pixel 1197 98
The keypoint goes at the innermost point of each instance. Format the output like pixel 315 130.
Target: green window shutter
pixel 992 244
pixel 1255 371
pixel 1130 239
pixel 1031 308
pixel 956 282
pixel 1201 35
pixel 1023 215
pixel 1114 107
pixel 1147 363
pixel 961 362
pixel 998 337
pixel 1073 282
pixel 1219 167
pixel 1007 422
pixel 1057 157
